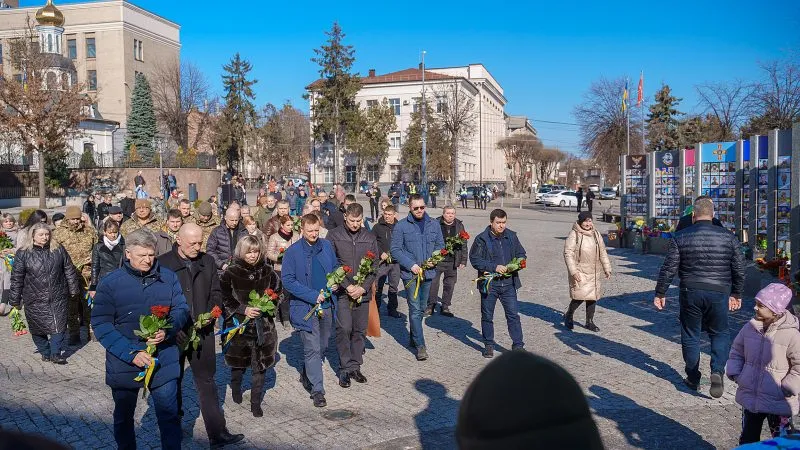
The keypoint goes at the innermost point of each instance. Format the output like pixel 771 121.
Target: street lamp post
pixel 424 168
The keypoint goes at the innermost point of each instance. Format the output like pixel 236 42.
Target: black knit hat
pixel 524 401
pixel 583 216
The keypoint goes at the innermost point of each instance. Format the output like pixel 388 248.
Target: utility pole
pixel 480 136
pixel 424 168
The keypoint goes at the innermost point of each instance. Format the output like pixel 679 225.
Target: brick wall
pixel 207 180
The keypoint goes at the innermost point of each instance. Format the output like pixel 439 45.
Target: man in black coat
pixel 198 278
pixel 687 219
pixel 448 268
pixel 710 265
pixel 390 269
pixel 579 195
pixel 589 200
pixel 338 216
pixel 223 239
pixel 352 242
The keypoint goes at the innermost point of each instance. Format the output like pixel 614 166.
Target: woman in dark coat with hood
pixel 255 348
pixel 107 254
pixel 42 281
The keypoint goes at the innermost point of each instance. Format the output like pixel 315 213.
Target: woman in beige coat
pixel 586 258
pixel 281 240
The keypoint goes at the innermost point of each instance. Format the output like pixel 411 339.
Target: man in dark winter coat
pixel 448 268
pixel 223 239
pixel 579 195
pixel 166 236
pixel 495 247
pixel 710 264
pixel 352 242
pixel 589 199
pixel 687 219
pixel 197 274
pixel 328 210
pixel 303 270
pixel 389 268
pixel 121 299
pixel 414 240
pixel 337 217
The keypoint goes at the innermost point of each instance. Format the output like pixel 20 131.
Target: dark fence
pixel 169 159
pixel 28 191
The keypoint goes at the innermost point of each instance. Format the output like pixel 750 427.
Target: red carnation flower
pixel 159 311
pixel 281 250
pixel 370 255
pixel 463 235
pixel 523 264
pixel 347 269
pixel 443 252
pixel 216 312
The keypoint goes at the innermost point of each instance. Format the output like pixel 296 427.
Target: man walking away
pixel 579 194
pixel 710 265
pixel 414 240
pixel 389 268
pixel 448 268
pixel 495 247
pixel 197 275
pixel 589 200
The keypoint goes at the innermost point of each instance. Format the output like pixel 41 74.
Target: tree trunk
pixel 42 190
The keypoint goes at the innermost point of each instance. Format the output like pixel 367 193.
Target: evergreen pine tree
pixel 238 115
pixel 662 121
pixel 141 121
pixel 87 160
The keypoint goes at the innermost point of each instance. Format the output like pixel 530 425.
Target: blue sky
pixel 544 54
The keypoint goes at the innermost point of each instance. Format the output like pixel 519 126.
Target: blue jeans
pixel 314 345
pixel 165 399
pixel 704 310
pixel 48 347
pixel 507 295
pixel 416 308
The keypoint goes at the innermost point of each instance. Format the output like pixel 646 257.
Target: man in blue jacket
pixel 305 265
pixel 121 298
pixel 414 240
pixel 495 247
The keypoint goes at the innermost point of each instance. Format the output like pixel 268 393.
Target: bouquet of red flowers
pixel 456 241
pixel 334 278
pixel 17 322
pixel 203 320
pixel 436 257
pixel 281 251
pixel 149 326
pixel 365 268
pixel 266 303
pixel 515 265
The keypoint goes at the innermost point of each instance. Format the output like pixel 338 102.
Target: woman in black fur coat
pixel 255 348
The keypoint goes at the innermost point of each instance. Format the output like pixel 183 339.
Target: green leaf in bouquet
pixel 148 323
pixel 254 295
pixel 138 333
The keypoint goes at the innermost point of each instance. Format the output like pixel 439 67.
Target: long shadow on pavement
pixel 642 427
pixel 441 412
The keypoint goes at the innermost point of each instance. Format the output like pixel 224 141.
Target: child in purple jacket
pixel 765 363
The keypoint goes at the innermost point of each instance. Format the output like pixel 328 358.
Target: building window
pixel 372 103
pixel 373 173
pixel 91 80
pixel 395 104
pixel 395 141
pixel 441 104
pixel 91 51
pixel 138 51
pixel 72 48
pixel 349 174
pixel 394 172
pixel 417 102
pixel 327 171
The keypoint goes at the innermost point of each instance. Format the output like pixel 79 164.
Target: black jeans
pixel 464 202
pixel 256 384
pixel 433 200
pixel 204 369
pixel 704 310
pixel 589 205
pixel 351 327
pixel 169 424
pixel 373 209
pixel 507 295
pixel 450 276
pixel 752 423
pixel 392 273
pixel 47 347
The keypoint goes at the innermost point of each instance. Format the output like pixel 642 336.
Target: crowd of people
pixel 104 272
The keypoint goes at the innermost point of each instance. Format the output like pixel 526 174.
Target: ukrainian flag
pixel 625 97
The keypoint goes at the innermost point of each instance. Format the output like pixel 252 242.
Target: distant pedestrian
pixel 139 185
pixel 300 200
pixel 589 200
pixel 579 195
pixel 710 264
pixel 433 192
pixel 476 196
pixel 464 194
pixel 172 182
pixel 374 195
pixel 765 363
pixel 586 258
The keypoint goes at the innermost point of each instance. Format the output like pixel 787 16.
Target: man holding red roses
pixel 122 298
pixel 353 244
pixel 492 250
pixel 197 274
pixel 452 232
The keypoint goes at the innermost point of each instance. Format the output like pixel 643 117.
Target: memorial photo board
pixel 762 196
pixel 636 185
pixel 667 206
pixel 718 180
pixel 783 184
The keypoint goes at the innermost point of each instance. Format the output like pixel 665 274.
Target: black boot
pixel 257 394
pixel 568 322
pixel 236 385
pixel 590 317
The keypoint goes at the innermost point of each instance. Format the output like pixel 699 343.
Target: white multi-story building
pixel 478 159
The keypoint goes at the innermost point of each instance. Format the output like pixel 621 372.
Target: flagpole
pixel 627 123
pixel 641 81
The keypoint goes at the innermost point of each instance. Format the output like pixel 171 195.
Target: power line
pixel 555 122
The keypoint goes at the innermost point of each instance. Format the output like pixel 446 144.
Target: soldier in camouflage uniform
pixel 159 207
pixel 77 236
pixel 206 220
pixel 143 217
pixel 165 237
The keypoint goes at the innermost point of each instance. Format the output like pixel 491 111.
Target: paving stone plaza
pixel 631 371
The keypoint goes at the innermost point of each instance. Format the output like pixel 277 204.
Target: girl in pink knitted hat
pixel 765 363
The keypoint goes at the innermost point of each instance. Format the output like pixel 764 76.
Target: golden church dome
pixel 50 15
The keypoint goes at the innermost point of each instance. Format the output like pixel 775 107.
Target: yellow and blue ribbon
pixel 230 332
pixel 8 261
pixel 419 279
pixel 320 307
pixel 147 375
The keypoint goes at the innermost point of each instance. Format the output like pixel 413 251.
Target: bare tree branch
pixel 729 102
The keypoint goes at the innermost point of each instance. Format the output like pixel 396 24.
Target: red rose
pixel 523 264
pixel 347 269
pixel 281 250
pixel 216 312
pixel 159 311
pixel 370 255
pixel 463 235
pixel 443 252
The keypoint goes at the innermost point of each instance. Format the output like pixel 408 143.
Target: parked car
pixel 608 193
pixel 561 198
pixel 540 193
pixel 594 188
